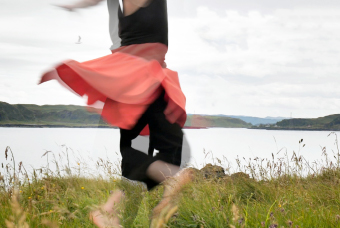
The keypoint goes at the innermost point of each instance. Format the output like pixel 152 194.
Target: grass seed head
pixel 49 223
pixel 18 219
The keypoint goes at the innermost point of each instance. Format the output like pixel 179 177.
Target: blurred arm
pixel 80 4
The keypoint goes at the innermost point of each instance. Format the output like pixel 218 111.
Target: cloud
pixel 288 42
pixel 187 8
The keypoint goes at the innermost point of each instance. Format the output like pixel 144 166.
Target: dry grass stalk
pixel 18 219
pixel 49 223
pixel 235 212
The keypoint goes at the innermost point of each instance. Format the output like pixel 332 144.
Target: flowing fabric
pixel 127 82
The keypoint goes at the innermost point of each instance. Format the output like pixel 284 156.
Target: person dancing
pixel 139 95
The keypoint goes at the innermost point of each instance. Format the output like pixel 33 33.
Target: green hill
pixel 215 121
pixel 48 115
pixel 78 116
pixel 331 122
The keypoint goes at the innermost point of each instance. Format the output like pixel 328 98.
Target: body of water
pixel 87 145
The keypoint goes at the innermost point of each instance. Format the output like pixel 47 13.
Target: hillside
pixel 215 121
pixel 331 122
pixel 48 115
pixel 27 115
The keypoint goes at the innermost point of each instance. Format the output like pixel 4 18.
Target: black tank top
pixel 146 25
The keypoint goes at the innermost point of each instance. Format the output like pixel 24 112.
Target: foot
pixel 107 215
pixel 162 219
pixel 168 205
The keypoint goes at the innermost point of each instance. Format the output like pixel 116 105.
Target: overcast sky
pixel 247 57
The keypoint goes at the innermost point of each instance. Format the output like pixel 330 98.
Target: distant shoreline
pixel 67 126
pixel 186 127
pixel 293 129
pixel 52 126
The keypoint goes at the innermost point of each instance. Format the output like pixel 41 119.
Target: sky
pixel 248 57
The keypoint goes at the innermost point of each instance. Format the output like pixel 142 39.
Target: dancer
pixel 139 95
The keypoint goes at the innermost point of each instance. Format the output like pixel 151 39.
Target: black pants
pixel 165 137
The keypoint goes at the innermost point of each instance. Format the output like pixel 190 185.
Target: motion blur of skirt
pixel 136 91
pixel 126 81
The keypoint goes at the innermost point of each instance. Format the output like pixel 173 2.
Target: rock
pixel 212 171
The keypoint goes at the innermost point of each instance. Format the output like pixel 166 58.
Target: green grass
pixel 282 192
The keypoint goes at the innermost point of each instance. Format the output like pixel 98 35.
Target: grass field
pixel 282 192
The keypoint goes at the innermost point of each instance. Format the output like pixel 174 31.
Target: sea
pixel 94 148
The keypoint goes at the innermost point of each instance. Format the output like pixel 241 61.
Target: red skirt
pixel 126 82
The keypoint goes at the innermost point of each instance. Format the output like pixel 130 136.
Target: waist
pixel 130 40
pixel 147 51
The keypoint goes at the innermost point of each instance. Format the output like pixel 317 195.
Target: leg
pixel 173 184
pixel 167 138
pixel 107 215
pixel 132 159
